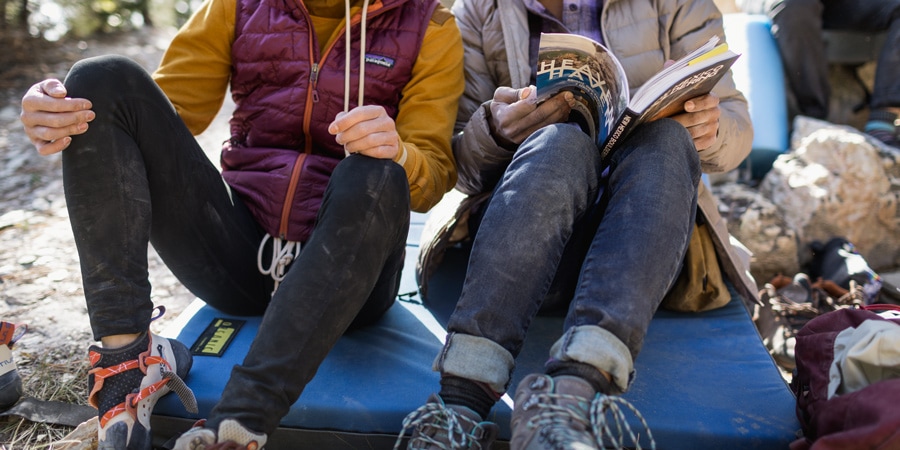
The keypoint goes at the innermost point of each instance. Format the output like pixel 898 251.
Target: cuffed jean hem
pixel 590 344
pixel 476 358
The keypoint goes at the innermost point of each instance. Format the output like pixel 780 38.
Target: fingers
pixel 703 126
pixel 528 94
pixel 510 96
pixel 50 96
pixel 367 130
pixel 53 88
pixel 704 134
pixel 702 103
pixel 515 113
pixel 50 118
pixel 50 147
pixel 701 119
pixel 382 145
pixel 506 94
pixel 556 109
pixel 44 128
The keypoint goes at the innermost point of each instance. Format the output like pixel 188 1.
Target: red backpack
pixel 865 418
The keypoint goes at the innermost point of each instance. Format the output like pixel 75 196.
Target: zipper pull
pixel 313 80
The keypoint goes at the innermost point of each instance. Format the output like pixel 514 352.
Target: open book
pixel 604 109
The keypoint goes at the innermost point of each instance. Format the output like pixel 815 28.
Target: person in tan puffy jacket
pixel 553 226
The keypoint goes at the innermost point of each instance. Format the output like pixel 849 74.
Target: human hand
pixel 50 118
pixel 515 114
pixel 701 118
pixel 367 130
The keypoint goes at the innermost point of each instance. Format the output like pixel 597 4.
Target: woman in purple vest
pixel 342 125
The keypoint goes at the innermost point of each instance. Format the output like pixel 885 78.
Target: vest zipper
pixel 313 82
pixel 312 96
pixel 289 198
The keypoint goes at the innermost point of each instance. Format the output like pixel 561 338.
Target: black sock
pixel 464 392
pixel 882 115
pixel 584 371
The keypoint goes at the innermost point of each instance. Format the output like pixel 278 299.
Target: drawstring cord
pixel 362 58
pixel 283 252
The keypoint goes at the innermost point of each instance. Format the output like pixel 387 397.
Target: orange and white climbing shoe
pixel 126 382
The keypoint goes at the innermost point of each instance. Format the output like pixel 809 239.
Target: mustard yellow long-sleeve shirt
pixel 196 69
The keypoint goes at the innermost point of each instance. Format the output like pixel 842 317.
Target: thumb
pixel 54 88
pixel 506 94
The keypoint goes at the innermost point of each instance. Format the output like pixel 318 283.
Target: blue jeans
pixel 138 176
pixel 545 234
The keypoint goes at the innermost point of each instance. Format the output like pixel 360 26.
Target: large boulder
pixel 835 181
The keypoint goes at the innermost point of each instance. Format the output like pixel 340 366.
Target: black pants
pixel 798 25
pixel 139 176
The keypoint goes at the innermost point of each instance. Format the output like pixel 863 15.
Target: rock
pixel 758 224
pixel 83 437
pixel 836 181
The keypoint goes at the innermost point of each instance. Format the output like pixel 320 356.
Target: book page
pixel 698 80
pixel 677 76
pixel 588 70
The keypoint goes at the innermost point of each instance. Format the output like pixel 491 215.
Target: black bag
pixel 837 260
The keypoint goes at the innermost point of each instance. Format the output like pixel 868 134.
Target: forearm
pixel 196 68
pixel 735 136
pixel 479 160
pixel 426 116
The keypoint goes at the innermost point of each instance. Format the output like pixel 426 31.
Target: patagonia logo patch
pixel 382 61
pixel 216 337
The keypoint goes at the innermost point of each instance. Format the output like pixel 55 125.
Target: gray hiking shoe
pixel 566 413
pixel 437 426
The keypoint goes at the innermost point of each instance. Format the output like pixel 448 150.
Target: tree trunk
pixel 23 15
pixel 2 14
pixel 145 11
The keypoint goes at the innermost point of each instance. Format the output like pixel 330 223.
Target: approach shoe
pixel 566 413
pixel 10 381
pixel 126 382
pixel 436 426
pixel 231 436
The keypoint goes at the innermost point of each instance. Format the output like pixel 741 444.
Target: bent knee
pixel 361 178
pixel 96 76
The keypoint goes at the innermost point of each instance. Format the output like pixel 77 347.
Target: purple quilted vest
pixel 280 155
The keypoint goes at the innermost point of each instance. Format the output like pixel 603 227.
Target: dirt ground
pixel 40 279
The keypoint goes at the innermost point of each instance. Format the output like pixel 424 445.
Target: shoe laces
pixel 559 416
pixel 606 410
pixel 442 419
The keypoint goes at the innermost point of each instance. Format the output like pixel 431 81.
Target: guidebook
pixel 604 109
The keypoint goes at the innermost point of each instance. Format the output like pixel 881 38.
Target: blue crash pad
pixel 704 381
